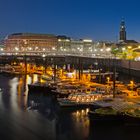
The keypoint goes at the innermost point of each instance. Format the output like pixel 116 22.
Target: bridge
pixel 75 60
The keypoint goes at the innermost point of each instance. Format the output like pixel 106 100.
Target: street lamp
pixel 25 59
pixel 108 79
pixel 132 84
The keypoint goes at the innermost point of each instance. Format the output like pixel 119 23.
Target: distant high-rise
pixel 122 31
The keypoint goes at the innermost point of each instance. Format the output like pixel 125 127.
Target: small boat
pixel 78 100
pixel 40 87
pixel 105 114
pixel 46 77
pixel 132 116
pixel 109 101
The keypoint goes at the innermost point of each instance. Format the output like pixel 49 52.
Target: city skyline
pixel 97 20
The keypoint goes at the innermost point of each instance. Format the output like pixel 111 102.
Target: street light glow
pixel 43 55
pixel 2 49
pixel 53 48
pixel 108 49
pixel 16 48
pixel 129 47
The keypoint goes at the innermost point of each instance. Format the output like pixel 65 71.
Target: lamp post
pixel 25 57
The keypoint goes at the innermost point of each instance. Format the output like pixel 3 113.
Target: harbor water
pixel 38 117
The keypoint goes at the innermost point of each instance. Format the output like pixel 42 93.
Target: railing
pixel 58 53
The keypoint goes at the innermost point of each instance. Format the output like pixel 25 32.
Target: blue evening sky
pixel 95 19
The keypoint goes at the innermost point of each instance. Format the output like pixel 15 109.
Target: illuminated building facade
pixel 88 45
pixel 30 42
pixel 45 43
pixel 64 44
pixel 77 46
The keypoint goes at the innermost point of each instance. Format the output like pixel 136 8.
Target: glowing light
pixel 30 48
pixel 132 82
pixel 43 55
pixel 123 49
pixel 67 40
pixel 108 49
pixel 87 40
pixel 101 50
pixel 129 47
pixel 16 48
pixel 53 48
pixel 25 42
pixel 2 49
pixel 36 48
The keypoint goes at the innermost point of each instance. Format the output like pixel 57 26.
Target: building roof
pixel 31 36
pixel 130 41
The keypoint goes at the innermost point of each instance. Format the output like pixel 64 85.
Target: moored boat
pixel 78 100
pixel 40 87
pixel 132 116
pixel 106 114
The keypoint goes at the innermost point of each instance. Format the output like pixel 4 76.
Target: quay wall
pixel 130 64
pixel 129 67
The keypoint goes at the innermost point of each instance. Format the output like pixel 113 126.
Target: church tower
pixel 122 31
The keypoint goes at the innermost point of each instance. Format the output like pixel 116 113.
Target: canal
pixel 24 116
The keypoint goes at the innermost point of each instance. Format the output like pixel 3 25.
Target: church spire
pixel 122 31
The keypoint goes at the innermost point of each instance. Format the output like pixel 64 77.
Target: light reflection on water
pixel 39 117
pixel 34 112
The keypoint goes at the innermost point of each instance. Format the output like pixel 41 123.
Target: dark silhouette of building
pixel 122 31
pixel 123 41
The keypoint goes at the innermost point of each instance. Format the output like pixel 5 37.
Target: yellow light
pixel 129 47
pixel 132 82
pixel 108 78
pixel 139 47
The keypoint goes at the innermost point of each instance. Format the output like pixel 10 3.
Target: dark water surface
pixel 31 117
